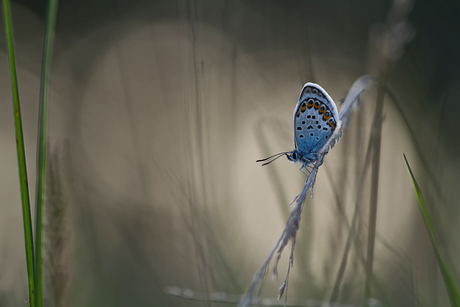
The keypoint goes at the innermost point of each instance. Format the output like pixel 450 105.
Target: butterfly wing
pixel 315 119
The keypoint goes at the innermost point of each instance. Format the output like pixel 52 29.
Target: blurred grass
pixel 42 141
pixel 447 274
pixel 27 221
pixel 55 229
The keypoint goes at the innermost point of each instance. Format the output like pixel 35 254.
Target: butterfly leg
pixel 303 166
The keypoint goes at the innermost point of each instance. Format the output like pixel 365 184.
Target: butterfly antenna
pixel 273 158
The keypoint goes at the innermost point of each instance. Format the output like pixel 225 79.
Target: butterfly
pixel 315 119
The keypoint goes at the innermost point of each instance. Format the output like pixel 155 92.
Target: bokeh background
pixel 159 110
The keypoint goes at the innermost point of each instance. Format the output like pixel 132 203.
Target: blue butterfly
pixel 315 119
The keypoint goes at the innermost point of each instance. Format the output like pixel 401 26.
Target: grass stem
pixel 27 221
pixel 447 274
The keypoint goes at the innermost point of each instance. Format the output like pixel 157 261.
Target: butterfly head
pixel 297 156
pixel 293 156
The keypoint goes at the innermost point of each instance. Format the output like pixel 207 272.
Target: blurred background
pixel 159 110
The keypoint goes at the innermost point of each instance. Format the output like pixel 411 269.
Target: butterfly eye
pixel 294 156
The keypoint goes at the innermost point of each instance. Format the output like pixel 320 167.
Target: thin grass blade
pixel 42 141
pixel 22 168
pixel 447 275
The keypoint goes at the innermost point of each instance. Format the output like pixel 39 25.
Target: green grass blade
pixel 42 140
pixel 27 221
pixel 447 275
